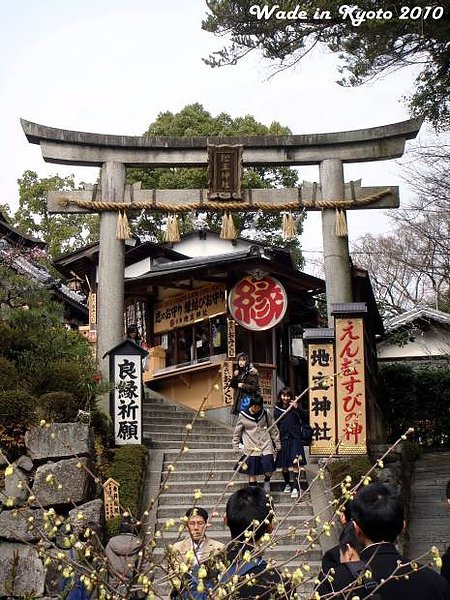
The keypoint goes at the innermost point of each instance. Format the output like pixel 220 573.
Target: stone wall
pixel 48 496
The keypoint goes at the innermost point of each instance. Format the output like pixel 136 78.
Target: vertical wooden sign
pixel 350 385
pixel 231 338
pixel 227 391
pixel 322 404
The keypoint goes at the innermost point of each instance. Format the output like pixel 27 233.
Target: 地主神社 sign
pixel 322 409
pixel 257 303
pixel 225 172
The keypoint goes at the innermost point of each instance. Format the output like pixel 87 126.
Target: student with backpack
pixel 125 559
pixel 248 517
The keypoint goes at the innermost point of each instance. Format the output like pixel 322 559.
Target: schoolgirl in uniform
pixel 256 432
pixel 290 418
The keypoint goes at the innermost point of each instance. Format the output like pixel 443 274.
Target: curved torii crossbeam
pixel 94 149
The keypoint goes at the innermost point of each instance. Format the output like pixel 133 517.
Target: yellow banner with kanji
pixel 322 408
pixel 350 386
pixel 189 308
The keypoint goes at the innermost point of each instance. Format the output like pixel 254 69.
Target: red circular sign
pixel 257 303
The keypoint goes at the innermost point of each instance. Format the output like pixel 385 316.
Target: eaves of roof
pixel 420 313
pixel 235 261
pixel 11 233
pixel 82 260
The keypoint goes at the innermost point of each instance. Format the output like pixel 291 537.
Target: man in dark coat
pixel 378 517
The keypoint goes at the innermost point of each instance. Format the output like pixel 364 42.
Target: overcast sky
pixel 111 66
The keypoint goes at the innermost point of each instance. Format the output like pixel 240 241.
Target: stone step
pixel 218 485
pixel 180 425
pixel 281 553
pixel 149 407
pixel 169 509
pixel 176 497
pixel 176 437
pixel 177 444
pixel 218 527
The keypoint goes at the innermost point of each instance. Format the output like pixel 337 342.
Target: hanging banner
pixel 92 306
pixel 350 386
pixel 258 303
pixel 227 391
pixel 189 308
pixel 266 381
pixel 231 338
pixel 322 407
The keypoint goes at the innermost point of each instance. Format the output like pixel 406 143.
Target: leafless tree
pixel 411 265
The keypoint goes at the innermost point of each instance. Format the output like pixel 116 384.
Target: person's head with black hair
pixel 133 333
pixel 248 510
pixel 378 513
pixel 349 546
pixel 196 522
pixel 243 361
pixel 345 513
pixel 128 524
pixel 447 491
pixel 285 397
pixel 256 404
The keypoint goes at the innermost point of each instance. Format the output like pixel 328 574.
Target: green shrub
pixel 128 468
pixel 17 413
pixel 356 467
pixel 64 376
pixel 60 407
pixel 8 374
pixel 17 406
pixel 5 337
pixel 419 398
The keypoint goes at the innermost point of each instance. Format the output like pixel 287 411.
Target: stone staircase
pixel 207 468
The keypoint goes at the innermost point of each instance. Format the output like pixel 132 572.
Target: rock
pixel 61 483
pixel 25 463
pixel 93 518
pixel 15 525
pixel 16 487
pixel 59 440
pixel 3 460
pixel 21 571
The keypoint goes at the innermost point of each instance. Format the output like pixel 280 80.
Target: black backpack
pixel 366 588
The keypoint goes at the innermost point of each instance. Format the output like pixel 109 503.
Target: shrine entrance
pixel 225 158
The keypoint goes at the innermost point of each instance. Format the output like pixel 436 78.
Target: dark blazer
pixel 330 560
pixel 445 570
pixel 423 584
pixel 264 581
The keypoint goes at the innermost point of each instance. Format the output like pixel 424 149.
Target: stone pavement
pixel 429 522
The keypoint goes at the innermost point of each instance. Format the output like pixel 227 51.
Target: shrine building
pixel 199 302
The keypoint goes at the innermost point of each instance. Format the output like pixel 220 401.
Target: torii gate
pixel 113 153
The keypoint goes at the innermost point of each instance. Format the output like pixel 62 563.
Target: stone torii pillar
pixel 113 153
